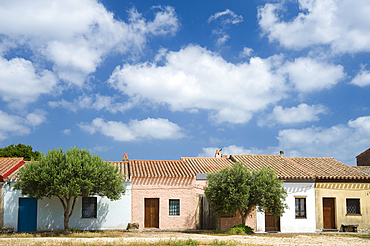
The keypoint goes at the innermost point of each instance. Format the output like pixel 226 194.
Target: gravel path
pixel 136 238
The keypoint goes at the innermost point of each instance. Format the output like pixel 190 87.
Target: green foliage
pixel 68 175
pixel 237 189
pixel 240 229
pixel 19 150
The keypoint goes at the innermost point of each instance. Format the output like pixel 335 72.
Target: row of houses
pixel 323 194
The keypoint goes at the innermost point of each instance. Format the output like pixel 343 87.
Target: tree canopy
pixel 68 175
pixel 19 150
pixel 238 189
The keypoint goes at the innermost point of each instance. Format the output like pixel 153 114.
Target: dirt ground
pixel 133 238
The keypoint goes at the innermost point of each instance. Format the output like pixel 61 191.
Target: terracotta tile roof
pixel 328 168
pixel 122 167
pixel 159 168
pixel 284 169
pixel 8 165
pixel 364 169
pixel 206 164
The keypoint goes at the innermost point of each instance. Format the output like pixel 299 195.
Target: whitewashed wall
pixel 110 214
pixel 288 222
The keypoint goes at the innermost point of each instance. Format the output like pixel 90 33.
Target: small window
pixel 174 207
pixel 353 206
pixel 89 207
pixel 300 207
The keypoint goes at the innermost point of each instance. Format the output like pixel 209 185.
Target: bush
pixel 240 229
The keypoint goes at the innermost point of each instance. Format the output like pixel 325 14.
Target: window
pixel 353 206
pixel 174 207
pixel 300 207
pixel 89 207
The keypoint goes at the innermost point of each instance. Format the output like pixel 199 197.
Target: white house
pixel 300 186
pixel 90 213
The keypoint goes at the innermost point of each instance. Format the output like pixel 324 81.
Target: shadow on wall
pixel 94 223
pixel 11 206
pixel 298 189
pixel 50 215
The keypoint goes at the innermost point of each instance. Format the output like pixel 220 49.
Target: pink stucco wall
pixel 184 189
pixel 165 189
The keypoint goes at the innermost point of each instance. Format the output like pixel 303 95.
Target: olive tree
pixel 69 175
pixel 238 189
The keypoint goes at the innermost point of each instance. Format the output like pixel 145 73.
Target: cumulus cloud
pixel 224 20
pixel 307 74
pixel 18 125
pixel 343 142
pixel 294 115
pixel 77 35
pixel 195 78
pixel 362 79
pixel 342 25
pixel 97 102
pixel 22 83
pixel 135 130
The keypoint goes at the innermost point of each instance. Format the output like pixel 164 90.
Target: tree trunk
pixel 244 216
pixel 68 210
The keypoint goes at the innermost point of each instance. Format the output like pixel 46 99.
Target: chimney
pixel 218 154
pixel 281 153
pixel 125 158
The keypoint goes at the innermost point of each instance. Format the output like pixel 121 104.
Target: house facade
pixel 300 186
pixel 342 194
pixel 90 213
pixel 7 167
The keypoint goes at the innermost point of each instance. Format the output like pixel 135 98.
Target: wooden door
pixel 329 213
pixel 271 222
pixel 151 216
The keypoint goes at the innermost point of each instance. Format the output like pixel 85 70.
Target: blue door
pixel 27 214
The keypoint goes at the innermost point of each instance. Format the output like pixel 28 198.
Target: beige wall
pixel 341 191
pixel 165 189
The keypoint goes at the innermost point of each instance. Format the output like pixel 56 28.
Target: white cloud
pixel 97 102
pixel 229 17
pixel 362 79
pixel 66 131
pixel 17 125
pixel 224 19
pixel 246 52
pixel 134 130
pixel 343 142
pixel 343 25
pixel 195 78
pixel 294 115
pixel 36 118
pixel 230 150
pixel 77 35
pixel 21 83
pixel 307 74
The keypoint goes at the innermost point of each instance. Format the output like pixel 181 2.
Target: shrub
pixel 240 229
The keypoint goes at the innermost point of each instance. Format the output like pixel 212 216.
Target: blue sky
pixel 165 79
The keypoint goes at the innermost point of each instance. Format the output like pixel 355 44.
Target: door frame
pixel 333 213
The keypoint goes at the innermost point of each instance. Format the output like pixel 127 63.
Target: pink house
pixel 167 194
